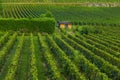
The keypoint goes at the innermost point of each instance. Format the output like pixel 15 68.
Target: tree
pixel 49 14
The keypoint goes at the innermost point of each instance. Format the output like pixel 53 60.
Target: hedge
pixel 28 25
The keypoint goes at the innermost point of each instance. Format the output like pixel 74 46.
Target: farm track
pixel 99 4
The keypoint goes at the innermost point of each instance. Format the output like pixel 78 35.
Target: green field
pixel 33 48
pixel 60 56
pixel 76 14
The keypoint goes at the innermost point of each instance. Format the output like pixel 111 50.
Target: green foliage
pixel 15 60
pixel 110 58
pixel 48 14
pixel 7 47
pixel 51 64
pixel 101 63
pixel 4 38
pixel 29 17
pixel 81 61
pixel 42 15
pixel 29 25
pixel 88 29
pixel 33 69
pixel 64 31
pixel 95 16
pixel 68 66
pixel 71 57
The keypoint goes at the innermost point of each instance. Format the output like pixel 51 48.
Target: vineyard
pixel 75 13
pixel 78 15
pixel 33 47
pixel 60 56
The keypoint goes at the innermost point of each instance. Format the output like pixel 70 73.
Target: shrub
pixel 29 25
pixel 48 14
pixel 88 29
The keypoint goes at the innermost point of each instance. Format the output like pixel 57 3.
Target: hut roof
pixel 64 22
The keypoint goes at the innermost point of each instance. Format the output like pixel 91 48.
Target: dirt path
pixel 102 4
